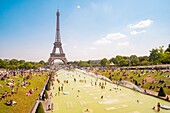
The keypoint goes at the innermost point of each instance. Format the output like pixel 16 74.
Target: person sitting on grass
pixel 13 102
pixel 1 86
pixel 8 103
pixel 31 91
pixel 5 94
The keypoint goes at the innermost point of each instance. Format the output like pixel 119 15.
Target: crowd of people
pixel 14 81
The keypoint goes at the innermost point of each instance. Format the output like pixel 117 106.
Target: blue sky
pixel 90 29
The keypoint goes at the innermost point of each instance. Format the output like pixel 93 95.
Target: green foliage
pixel 113 60
pixel 21 61
pixel 156 55
pixel 144 63
pixel 45 95
pixel 13 62
pixel 161 92
pixel 3 63
pixel 48 86
pixel 118 59
pixel 20 64
pixel 123 62
pixel 166 58
pixel 143 58
pixel 83 64
pixel 27 65
pixel 40 108
pixel 168 49
pixel 134 60
pixel 104 62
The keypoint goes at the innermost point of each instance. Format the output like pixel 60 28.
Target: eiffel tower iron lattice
pixel 57 44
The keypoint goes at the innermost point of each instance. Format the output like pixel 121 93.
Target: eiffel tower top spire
pixel 58 38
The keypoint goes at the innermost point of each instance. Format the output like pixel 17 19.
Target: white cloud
pixel 92 48
pixel 141 24
pixel 137 32
pixel 74 47
pixel 108 38
pixel 78 7
pixel 123 43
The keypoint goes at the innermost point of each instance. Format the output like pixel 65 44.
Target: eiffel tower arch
pixel 57 44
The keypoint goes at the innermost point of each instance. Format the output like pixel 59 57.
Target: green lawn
pixel 24 103
pixel 139 75
pixel 87 96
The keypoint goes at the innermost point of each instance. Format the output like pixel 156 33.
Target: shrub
pixel 161 92
pixel 40 108
pixel 45 95
pixel 48 86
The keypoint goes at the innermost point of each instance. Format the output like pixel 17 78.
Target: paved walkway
pixel 47 102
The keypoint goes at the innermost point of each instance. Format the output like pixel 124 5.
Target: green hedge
pixel 40 108
pixel 45 95
pixel 48 86
pixel 161 92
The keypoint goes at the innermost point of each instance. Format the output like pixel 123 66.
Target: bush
pixel 161 92
pixel 48 86
pixel 45 95
pixel 40 108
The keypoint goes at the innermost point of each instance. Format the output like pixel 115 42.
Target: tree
pixel 134 60
pixel 3 64
pixel 166 58
pixel 27 65
pixel 42 62
pixel 13 62
pixel 113 60
pixel 118 59
pixel 144 63
pixel 161 92
pixel 83 64
pixel 35 66
pixel 21 61
pixel 168 49
pixel 156 55
pixel 124 62
pixel 143 58
pixel 40 108
pixel 12 67
pixel 104 62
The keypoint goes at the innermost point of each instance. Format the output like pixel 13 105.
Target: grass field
pixel 24 103
pixel 152 77
pixel 86 95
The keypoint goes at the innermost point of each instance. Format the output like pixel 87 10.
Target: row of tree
pixel 157 56
pixel 20 64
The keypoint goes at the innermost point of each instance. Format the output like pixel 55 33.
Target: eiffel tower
pixel 57 44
